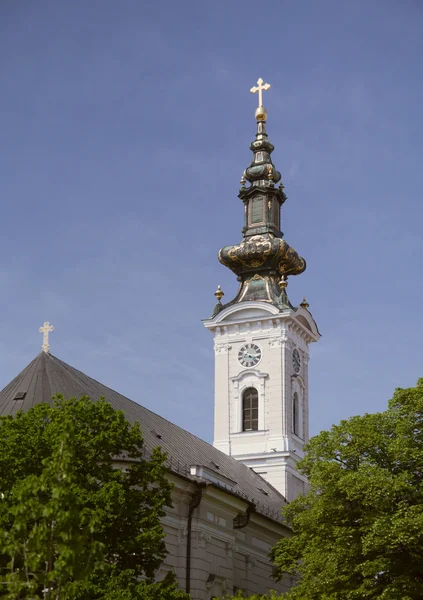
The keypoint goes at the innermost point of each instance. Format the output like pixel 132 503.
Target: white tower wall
pixel 274 448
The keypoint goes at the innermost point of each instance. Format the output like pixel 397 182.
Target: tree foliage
pixel 358 533
pixel 72 525
pixel 240 596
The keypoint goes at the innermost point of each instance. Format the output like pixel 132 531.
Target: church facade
pixel 227 497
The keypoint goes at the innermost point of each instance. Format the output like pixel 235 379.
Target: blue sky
pixel 125 129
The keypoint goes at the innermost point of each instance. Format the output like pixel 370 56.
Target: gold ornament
pixel 261 112
pixel 304 304
pixel 219 294
pixel 283 284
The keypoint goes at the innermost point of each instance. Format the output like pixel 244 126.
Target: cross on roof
pixel 45 330
pixel 259 88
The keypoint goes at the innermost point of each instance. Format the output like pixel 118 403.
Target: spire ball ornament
pixel 304 303
pixel 261 112
pixel 283 284
pixel 219 294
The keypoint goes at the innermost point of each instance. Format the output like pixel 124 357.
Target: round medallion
pixel 249 355
pixel 296 361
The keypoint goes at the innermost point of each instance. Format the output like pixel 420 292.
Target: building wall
pixel 222 558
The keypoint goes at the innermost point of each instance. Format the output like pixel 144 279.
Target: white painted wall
pixel 274 449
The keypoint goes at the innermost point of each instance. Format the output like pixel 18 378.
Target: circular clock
pixel 249 355
pixel 296 361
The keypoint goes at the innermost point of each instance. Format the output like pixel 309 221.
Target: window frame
pixel 250 394
pixel 252 223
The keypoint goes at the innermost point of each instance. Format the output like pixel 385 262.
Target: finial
pixel 219 294
pixel 242 182
pixel 304 303
pixel 45 330
pixel 261 112
pixel 219 306
pixel 283 284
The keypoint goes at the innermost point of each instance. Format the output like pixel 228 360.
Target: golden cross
pixel 45 330
pixel 259 88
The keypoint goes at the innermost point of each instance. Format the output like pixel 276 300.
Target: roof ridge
pixel 133 401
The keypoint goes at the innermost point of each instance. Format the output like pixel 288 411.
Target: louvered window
pixel 250 410
pixel 256 208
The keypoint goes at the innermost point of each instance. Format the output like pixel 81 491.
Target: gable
pixel 245 311
pixel 304 322
pixel 247 314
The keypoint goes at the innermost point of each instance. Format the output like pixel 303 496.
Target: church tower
pixel 261 340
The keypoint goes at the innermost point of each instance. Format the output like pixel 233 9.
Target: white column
pixel 222 399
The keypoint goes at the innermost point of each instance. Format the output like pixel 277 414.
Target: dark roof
pixel 47 375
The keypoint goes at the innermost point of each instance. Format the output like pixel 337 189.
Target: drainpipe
pixel 194 503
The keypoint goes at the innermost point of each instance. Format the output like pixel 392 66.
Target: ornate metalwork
pixel 260 87
pixel 261 113
pixel 263 256
pixel 262 253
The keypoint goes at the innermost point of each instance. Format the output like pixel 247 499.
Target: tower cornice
pixel 253 319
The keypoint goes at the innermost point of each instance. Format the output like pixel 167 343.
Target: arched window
pixel 295 415
pixel 250 410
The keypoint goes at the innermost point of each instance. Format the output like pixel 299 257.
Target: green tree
pixel 72 525
pixel 240 596
pixel 358 533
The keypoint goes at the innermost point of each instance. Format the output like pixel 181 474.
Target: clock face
pixel 249 355
pixel 296 361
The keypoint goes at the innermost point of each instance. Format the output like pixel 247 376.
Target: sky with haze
pixel 125 129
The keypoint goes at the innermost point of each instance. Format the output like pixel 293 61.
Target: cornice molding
pixel 241 307
pixel 249 373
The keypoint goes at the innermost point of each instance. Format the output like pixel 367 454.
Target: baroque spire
pixel 263 258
